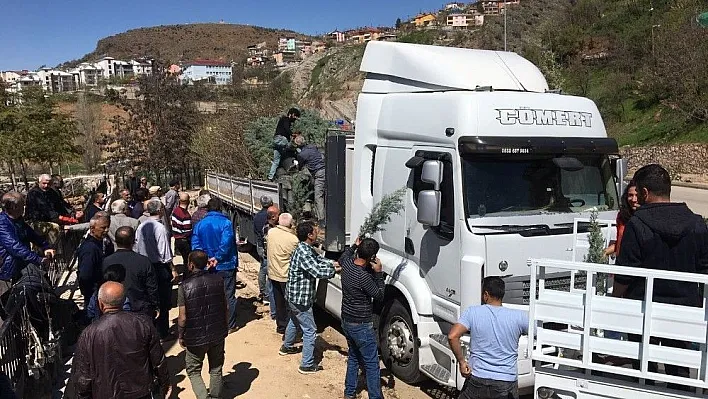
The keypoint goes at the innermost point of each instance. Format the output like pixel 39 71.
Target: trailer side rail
pixel 587 313
pixel 241 192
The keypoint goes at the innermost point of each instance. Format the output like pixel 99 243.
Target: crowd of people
pixel 127 271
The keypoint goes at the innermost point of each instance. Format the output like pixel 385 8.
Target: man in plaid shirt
pixel 306 266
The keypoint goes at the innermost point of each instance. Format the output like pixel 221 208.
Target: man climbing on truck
pixel 281 139
pixel 491 369
pixel 311 158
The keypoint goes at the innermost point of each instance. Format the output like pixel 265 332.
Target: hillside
pixel 172 43
pixel 648 91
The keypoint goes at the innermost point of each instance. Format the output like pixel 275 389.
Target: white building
pixel 464 21
pixel 15 81
pixel 55 81
pixel 87 75
pixel 113 68
pixel 207 71
pixel 141 68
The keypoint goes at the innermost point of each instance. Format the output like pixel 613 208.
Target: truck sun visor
pixel 537 145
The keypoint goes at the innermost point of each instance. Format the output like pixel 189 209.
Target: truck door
pixel 436 249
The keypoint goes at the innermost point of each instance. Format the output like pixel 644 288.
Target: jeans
pixel 183 247
pixel 194 359
pixel 482 388
pixel 279 144
pixel 263 285
pixel 229 277
pixel 301 316
pixel 164 293
pixel 320 195
pixel 281 305
pixel 364 354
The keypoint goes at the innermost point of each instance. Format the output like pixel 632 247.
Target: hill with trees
pixel 173 43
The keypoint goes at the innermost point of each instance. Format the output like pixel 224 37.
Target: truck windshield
pixel 502 185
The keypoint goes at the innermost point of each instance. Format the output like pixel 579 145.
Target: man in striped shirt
pixel 182 227
pixel 362 281
pixel 306 266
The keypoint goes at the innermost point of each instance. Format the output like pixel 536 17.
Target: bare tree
pixel 88 122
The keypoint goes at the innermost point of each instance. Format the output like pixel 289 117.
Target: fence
pixel 26 354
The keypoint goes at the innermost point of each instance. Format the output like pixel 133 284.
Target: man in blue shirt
pixel 491 368
pixel 215 235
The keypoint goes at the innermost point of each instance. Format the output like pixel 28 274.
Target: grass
pixel 655 125
pixel 317 70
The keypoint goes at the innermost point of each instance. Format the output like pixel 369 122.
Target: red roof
pixel 209 62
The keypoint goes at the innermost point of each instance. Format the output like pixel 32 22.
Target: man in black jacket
pixel 90 255
pixel 203 324
pixel 662 235
pixel 362 281
pixel 281 138
pixel 140 280
pixel 120 355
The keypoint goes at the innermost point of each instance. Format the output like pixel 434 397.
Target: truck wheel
pixel 398 342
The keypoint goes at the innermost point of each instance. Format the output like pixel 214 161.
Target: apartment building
pixel 207 71
pixel 55 81
pixel 464 21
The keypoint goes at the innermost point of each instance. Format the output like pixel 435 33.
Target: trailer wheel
pixel 399 343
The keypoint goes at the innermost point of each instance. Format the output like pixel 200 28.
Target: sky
pixel 49 32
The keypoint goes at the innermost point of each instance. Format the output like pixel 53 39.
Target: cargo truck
pixel 497 168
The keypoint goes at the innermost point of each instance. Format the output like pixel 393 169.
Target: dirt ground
pixel 253 368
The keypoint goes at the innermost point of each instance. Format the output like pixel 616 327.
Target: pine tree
pixel 381 213
pixel 596 251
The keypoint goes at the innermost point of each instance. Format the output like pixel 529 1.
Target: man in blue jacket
pixel 15 239
pixel 215 235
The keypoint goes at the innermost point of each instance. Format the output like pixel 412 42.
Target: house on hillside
pixel 113 68
pixel 496 7
pixel 318 47
pixel 208 71
pixel 258 50
pixel 86 75
pixel 337 36
pixel 16 81
pixel 422 20
pixel 464 21
pixel 454 7
pixel 141 67
pixel 365 35
pixel 55 81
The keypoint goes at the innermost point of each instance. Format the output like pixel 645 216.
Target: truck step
pixel 438 372
pixel 441 339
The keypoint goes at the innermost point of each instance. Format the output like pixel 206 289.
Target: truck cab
pixel 496 167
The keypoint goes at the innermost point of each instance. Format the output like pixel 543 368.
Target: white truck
pixel 497 168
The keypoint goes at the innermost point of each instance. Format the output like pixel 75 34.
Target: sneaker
pixel 309 370
pixel 265 302
pixel 284 351
pixel 233 330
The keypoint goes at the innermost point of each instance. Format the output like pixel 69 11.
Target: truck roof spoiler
pixel 413 67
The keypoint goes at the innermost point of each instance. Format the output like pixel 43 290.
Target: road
pixel 695 198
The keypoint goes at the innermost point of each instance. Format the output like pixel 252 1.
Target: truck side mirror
pixel 621 171
pixel 429 204
pixel 432 172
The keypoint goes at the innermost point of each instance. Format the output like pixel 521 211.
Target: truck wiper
pixel 518 228
pixel 528 230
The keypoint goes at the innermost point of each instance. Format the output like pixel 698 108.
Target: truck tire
pixel 399 343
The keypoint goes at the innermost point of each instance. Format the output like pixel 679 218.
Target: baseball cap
pixel 266 201
pixel 154 190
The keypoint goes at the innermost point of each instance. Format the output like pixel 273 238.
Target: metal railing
pixel 22 351
pixel 646 321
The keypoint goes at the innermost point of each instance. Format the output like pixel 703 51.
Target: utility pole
pixel 505 25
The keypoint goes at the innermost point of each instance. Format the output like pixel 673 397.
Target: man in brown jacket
pixel 203 324
pixel 280 243
pixel 119 355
